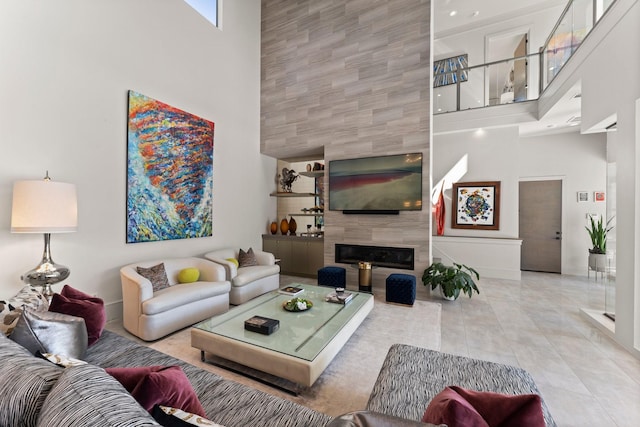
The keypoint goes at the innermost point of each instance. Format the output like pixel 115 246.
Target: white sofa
pixel 248 282
pixel 151 315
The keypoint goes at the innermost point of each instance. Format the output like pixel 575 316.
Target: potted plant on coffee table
pixel 451 279
pixel 598 234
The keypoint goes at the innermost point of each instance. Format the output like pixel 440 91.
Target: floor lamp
pixel 44 207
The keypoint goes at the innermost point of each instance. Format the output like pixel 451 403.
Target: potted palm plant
pixel 451 279
pixel 598 234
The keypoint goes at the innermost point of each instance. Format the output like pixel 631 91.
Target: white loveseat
pixel 151 315
pixel 247 282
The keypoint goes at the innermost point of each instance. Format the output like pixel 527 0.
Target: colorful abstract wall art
pixel 476 205
pixel 169 172
pixel 445 71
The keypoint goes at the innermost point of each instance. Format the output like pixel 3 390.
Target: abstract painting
pixel 476 205
pixel 445 71
pixel 169 172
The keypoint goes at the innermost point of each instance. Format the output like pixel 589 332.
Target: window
pixel 206 8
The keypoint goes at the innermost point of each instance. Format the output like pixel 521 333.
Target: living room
pixel 69 65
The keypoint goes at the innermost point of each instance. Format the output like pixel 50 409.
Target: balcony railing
pixel 458 86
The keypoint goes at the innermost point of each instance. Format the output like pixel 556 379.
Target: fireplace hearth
pixel 379 256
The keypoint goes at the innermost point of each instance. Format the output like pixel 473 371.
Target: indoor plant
pixel 451 279
pixel 598 234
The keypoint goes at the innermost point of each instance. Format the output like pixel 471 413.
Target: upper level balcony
pixel 459 87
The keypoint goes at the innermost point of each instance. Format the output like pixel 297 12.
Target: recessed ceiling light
pixel 453 13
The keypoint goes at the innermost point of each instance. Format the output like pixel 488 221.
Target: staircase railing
pixel 521 78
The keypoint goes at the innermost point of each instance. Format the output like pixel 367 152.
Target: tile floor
pixel 585 377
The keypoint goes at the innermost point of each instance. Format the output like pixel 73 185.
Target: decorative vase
pixel 451 298
pixel 293 226
pixel 598 262
pixel 274 227
pixel 284 226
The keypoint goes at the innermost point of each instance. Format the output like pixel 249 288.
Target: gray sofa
pixel 411 376
pixel 43 394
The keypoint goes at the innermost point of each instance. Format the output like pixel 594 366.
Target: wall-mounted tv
pixel 383 184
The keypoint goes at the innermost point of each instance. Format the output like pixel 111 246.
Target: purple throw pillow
pixel 459 407
pixel 76 303
pixel 159 385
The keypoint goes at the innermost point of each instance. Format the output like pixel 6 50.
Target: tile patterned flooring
pixel 585 377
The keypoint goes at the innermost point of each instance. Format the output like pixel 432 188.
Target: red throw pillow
pixel 76 303
pixel 159 385
pixel 449 408
pixel 456 406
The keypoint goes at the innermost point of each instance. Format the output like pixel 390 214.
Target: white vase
pixel 451 298
pixel 598 262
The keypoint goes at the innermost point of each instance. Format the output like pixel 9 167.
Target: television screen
pixel 384 183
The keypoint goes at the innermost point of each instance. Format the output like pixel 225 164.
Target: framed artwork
pixel 445 70
pixel 583 196
pixel 169 172
pixel 598 196
pixel 476 205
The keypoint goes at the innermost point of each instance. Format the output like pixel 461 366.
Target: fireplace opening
pixel 380 256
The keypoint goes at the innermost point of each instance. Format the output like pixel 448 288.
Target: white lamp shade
pixel 44 206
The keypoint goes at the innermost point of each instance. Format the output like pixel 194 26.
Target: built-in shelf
pixel 312 174
pixel 306 214
pixel 283 194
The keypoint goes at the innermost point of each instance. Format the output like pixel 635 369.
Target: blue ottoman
pixel 332 276
pixel 401 288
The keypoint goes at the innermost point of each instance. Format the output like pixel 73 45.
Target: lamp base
pixel 47 272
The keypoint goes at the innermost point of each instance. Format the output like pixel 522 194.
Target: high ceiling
pixel 455 16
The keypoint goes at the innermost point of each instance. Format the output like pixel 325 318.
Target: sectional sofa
pixel 43 394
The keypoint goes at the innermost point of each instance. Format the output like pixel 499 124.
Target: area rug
pixel 347 382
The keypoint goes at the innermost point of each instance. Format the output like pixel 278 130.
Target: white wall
pixel 619 97
pixel 474 43
pixel 499 154
pixel 580 162
pixel 492 156
pixel 66 68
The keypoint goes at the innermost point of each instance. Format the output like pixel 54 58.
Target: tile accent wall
pixel 346 79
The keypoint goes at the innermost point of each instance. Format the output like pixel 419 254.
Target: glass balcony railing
pixel 458 86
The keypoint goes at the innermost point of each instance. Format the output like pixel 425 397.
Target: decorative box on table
pixel 262 325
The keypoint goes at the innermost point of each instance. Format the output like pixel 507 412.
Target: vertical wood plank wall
pixel 347 79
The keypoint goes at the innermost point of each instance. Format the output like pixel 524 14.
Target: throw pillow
pixel 174 417
pixel 76 303
pixel 456 406
pixel 156 275
pixel 11 309
pixel 86 395
pixel 26 382
pixel 61 360
pixel 233 261
pixel 159 385
pixel 247 259
pixel 49 332
pixel 188 275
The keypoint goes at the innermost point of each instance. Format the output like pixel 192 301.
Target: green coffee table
pixel 303 346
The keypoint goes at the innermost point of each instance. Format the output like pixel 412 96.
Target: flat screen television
pixel 383 184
